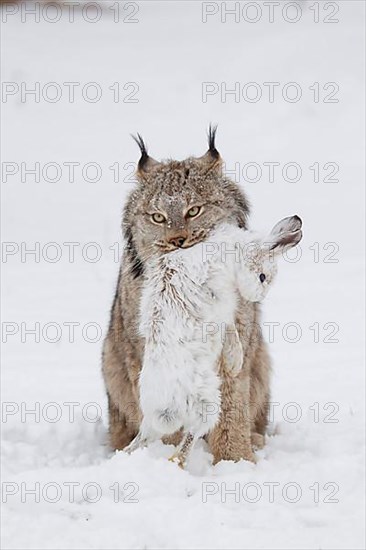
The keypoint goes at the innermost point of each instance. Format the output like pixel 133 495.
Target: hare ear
pixel 285 234
pixel 211 159
pixel 146 163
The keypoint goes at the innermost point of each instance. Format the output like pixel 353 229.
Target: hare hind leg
pixel 181 455
pixel 137 443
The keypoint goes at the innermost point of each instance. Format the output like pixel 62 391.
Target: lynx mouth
pixel 166 248
pixel 192 243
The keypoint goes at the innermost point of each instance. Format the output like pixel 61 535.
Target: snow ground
pixel 169 53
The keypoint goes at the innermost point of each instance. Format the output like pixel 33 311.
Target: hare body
pixel 183 293
pixel 183 299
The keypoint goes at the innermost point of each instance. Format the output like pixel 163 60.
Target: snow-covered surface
pixel 169 53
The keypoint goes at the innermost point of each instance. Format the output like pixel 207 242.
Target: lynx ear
pixel 146 163
pixel 285 234
pixel 211 159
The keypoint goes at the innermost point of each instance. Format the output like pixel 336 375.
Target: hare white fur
pixel 188 296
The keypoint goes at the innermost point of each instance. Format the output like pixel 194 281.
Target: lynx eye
pixel 158 218
pixel 194 211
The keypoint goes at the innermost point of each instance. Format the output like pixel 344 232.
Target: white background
pixel 169 52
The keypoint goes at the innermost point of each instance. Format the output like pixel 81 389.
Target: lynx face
pixel 178 203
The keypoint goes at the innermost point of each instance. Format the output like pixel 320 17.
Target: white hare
pixel 185 294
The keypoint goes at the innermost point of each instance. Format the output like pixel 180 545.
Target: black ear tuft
pixel 144 155
pixel 211 141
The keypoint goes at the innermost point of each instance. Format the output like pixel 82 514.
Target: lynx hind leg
pixel 232 352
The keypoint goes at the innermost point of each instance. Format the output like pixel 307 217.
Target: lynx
pixel 177 204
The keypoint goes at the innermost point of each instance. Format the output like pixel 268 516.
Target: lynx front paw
pixel 257 441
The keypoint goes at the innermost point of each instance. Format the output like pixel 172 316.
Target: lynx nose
pixel 177 241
